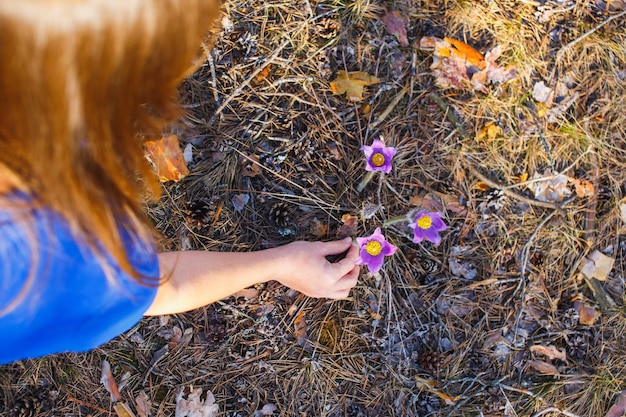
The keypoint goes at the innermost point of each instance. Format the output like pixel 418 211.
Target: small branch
pixel 537 397
pixel 564 49
pixel 244 84
pixel 510 193
pixel 449 112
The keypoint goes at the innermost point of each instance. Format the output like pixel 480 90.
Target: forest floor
pixel 519 139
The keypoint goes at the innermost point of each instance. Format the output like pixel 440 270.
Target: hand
pixel 303 266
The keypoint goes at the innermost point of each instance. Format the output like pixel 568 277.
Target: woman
pixel 82 84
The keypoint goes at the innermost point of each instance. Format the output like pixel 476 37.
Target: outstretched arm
pixel 197 278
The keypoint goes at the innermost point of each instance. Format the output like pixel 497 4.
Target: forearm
pixel 194 279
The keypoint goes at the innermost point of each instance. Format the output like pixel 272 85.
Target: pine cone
pixel 577 347
pixel 430 361
pixel 279 215
pixel 198 211
pixel 429 266
pixel 283 121
pixel 570 318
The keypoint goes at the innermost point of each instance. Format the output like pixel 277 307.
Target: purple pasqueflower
pixel 427 225
pixel 378 156
pixel 373 250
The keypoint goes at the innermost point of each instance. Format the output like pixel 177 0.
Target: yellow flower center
pixel 378 159
pixel 425 222
pixel 373 247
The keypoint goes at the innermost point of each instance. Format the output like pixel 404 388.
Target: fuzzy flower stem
pixel 366 179
pixel 394 220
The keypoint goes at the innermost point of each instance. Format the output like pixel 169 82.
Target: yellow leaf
pixel 352 83
pixel 167 158
pixel 430 386
pixel 122 410
pixel 489 131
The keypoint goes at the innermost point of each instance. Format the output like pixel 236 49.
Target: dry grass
pixel 280 136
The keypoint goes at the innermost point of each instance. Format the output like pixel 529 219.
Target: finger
pixel 346 264
pixel 335 247
pixel 349 280
pixel 339 295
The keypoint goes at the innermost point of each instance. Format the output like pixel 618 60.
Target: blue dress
pixel 71 306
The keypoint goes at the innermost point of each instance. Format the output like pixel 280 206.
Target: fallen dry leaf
pixel 466 52
pixel 300 329
pixel 458 65
pixel 587 315
pixel 619 408
pixel 167 158
pixel 597 266
pixel 431 387
pixel 263 74
pixel 583 187
pixel 109 382
pixel 352 83
pixel 266 410
pixel 349 226
pixel 489 131
pixel 240 200
pixel 542 93
pixel 550 187
pixel 143 404
pixel 622 211
pixel 193 406
pixel 550 352
pixel 318 228
pixel 123 410
pixel 544 368
pixel 396 25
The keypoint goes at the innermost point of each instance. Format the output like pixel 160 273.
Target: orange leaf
pixel 352 83
pixel 263 74
pixel 584 188
pixel 587 315
pixel 167 158
pixel 300 329
pixel 462 49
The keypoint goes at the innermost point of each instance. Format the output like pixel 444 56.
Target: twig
pixel 86 404
pixel 510 193
pixel 537 397
pixel 244 84
pixel 389 108
pixel 551 177
pixel 449 113
pixel 209 57
pixel 562 51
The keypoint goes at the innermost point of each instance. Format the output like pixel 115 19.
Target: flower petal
pixel 432 235
pixel 375 263
pixel 388 249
